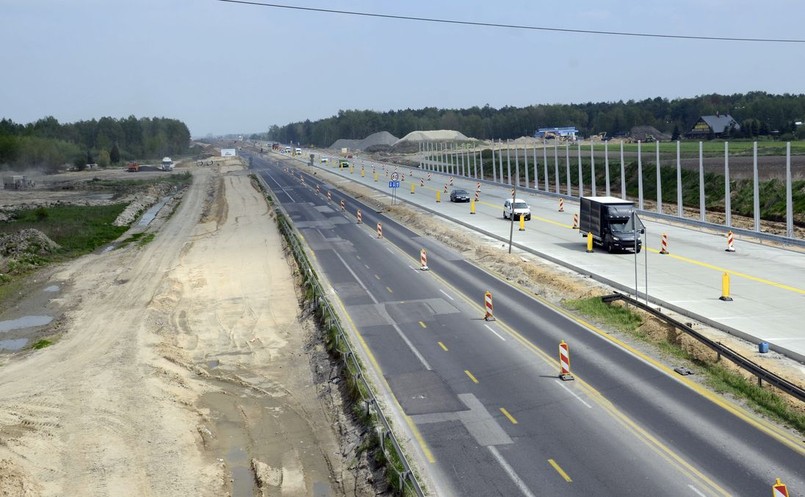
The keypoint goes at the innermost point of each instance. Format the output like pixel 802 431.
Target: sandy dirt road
pixel 182 368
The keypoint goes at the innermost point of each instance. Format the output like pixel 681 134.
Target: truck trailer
pixel 611 221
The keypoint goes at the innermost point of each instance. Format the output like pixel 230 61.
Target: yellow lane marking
pixel 443 346
pixel 559 470
pixel 506 413
pixel 390 290
pixel 474 380
pixel 423 324
pixel 735 273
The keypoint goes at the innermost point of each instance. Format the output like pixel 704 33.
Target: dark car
pixel 459 196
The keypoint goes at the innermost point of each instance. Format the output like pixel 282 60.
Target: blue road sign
pixel 394 184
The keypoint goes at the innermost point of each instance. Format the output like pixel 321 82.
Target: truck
pixel 611 221
pixel 167 164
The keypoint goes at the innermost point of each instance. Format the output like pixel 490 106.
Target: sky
pixel 226 68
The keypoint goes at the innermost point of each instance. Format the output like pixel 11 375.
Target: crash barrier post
pixel 379 230
pixel 664 244
pixel 730 242
pixel 489 315
pixel 423 260
pixel 725 288
pixel 564 362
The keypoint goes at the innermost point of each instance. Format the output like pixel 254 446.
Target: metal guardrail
pixel 407 477
pixel 758 371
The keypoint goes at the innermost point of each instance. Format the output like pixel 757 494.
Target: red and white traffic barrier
pixel 329 196
pixel 477 195
pixel 317 189
pixel 379 231
pixel 429 175
pixel 423 260
pixel 489 315
pixel 575 221
pixel 564 362
pixel 360 216
pixel 445 188
pixel 664 244
pixel 421 182
pixel 561 205
pixel 478 186
pixel 451 181
pixel 342 206
pixel 779 489
pixel 402 177
pixel 730 242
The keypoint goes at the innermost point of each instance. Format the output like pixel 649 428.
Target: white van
pixel 298 151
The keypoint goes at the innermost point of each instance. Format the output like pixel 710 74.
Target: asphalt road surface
pixel 482 398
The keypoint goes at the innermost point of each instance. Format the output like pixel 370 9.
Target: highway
pixel 766 280
pixel 483 404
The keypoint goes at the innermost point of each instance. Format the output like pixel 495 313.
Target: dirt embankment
pixel 181 367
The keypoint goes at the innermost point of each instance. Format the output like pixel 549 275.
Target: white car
pixel 325 160
pixel 519 207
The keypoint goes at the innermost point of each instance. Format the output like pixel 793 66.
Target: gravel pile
pixel 411 141
pixel 379 139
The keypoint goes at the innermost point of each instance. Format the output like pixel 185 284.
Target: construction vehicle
pixel 132 167
pixel 167 164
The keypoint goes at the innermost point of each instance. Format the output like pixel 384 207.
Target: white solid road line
pixel 495 332
pixel 571 392
pixel 510 471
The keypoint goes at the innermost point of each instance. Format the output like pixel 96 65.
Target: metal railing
pixel 758 371
pixel 407 478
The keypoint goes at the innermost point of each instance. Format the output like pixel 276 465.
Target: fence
pixel 402 478
pixel 570 170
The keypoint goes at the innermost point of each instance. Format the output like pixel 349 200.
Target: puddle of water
pixel 24 322
pixel 14 344
pixel 242 477
pixel 52 288
pixel 151 213
pixel 213 363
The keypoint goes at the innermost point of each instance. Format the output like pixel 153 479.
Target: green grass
pixel 78 229
pixel 41 344
pixel 141 239
pixel 612 316
pixel 721 379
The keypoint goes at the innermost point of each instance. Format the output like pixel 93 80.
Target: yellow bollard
pixel 438 196
pixel 363 173
pixel 725 288
pixel 472 206
pixel 375 177
pixel 412 188
pixel 351 169
pixel 589 243
pixel 522 223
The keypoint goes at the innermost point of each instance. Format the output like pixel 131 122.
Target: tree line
pixel 760 114
pixel 49 145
